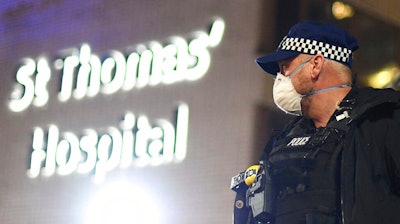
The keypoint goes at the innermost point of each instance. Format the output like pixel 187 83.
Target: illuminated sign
pixel 135 141
pixel 83 74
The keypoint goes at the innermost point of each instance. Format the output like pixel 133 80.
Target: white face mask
pixel 287 98
pixel 285 95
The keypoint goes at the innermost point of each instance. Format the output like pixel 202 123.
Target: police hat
pixel 312 38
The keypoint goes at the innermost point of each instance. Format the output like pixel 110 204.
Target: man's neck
pixel 320 107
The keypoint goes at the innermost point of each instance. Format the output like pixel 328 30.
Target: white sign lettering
pixel 84 74
pixel 135 142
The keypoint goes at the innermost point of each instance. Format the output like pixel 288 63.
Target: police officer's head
pixel 312 58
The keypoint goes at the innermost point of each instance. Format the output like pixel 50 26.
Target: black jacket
pixel 370 165
pixel 370 159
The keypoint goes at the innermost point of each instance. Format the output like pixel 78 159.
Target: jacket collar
pixel 361 100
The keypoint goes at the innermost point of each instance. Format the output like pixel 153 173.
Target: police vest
pixel 303 167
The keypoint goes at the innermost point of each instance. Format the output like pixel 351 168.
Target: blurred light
pixel 341 10
pixel 380 79
pixel 122 203
pixel 383 77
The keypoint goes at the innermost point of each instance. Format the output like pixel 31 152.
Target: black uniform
pixel 347 172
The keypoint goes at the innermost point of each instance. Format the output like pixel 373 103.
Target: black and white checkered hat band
pixel 313 47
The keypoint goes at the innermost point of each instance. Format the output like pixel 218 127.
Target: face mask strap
pixel 298 68
pixel 324 90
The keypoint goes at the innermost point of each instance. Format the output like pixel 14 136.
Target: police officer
pixel 338 161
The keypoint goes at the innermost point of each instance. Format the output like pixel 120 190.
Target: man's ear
pixel 317 61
